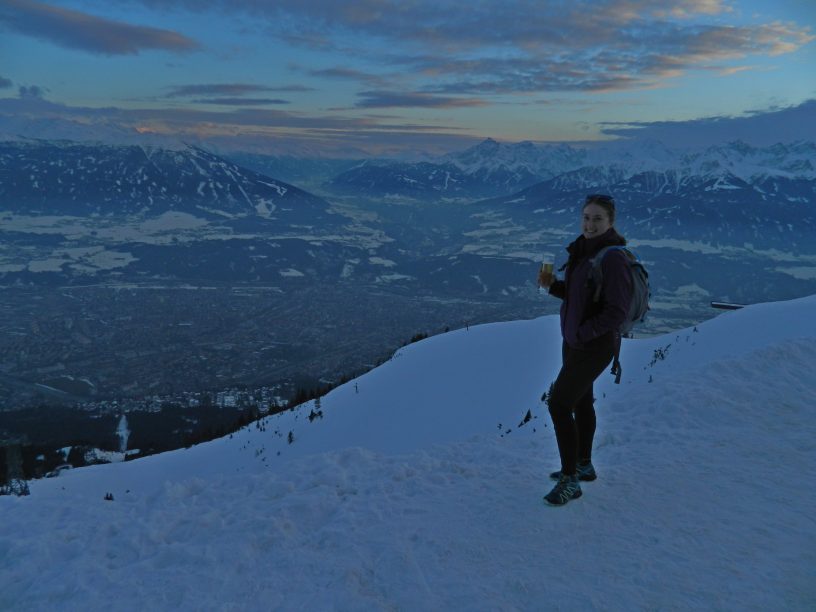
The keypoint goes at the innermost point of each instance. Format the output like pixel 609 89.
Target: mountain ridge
pixel 139 180
pixel 492 168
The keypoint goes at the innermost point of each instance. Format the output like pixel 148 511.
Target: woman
pixel 590 340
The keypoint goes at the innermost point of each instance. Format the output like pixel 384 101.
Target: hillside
pixel 419 489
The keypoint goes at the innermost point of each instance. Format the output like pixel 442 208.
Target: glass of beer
pixel 546 273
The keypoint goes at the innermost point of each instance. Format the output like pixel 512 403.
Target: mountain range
pixel 80 204
pixel 189 214
pixel 489 168
pixel 492 169
pixel 67 178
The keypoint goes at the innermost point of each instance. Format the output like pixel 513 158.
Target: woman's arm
pixel 558 289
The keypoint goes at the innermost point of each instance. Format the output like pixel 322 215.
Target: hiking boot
pixel 585 472
pixel 566 488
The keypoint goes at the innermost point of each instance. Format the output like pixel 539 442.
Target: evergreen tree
pixel 15 481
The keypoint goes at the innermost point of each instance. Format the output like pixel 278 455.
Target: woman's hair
pixel 607 202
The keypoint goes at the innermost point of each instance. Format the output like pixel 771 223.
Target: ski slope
pixel 420 489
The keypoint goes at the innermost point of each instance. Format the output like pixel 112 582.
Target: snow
pixel 682 245
pixel 123 433
pixel 82 259
pixel 802 272
pixel 388 278
pixel 720 184
pixel 279 188
pixel 290 272
pixel 107 260
pixel 419 490
pixel 53 264
pixel 381 261
pixel 171 221
pixel 265 208
pixel 747 250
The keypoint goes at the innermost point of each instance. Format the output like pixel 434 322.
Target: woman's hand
pixel 545 279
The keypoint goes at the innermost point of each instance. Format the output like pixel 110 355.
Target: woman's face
pixel 595 221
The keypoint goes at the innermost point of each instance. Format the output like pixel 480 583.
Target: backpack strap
pixel 596 275
pixel 617 370
pixel 595 267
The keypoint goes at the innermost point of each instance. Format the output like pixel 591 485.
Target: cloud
pixel 522 46
pixel 703 44
pixel 736 70
pixel 76 30
pixel 350 144
pixel 290 88
pixel 258 130
pixel 197 124
pixel 517 46
pixel 5 83
pixel 349 74
pixel 759 127
pixel 396 55
pixel 241 101
pixel 390 99
pixel 31 92
pixel 686 9
pixel 221 89
pixel 514 76
pixel 640 57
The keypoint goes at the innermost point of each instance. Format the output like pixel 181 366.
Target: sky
pixel 388 77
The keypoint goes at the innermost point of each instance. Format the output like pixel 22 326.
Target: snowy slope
pixel 411 494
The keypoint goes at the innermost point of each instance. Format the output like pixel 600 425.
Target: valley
pixel 80 344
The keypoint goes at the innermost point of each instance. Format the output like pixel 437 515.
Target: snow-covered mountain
pixel 78 209
pixel 65 178
pixel 733 220
pixel 419 485
pixel 772 172
pixel 524 158
pixel 489 168
pixel 494 169
pixel 718 208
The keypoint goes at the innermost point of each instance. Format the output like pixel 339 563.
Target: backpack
pixel 640 295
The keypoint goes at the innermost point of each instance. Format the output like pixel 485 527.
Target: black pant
pixel 572 394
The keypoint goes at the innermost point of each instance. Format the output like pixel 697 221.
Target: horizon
pixel 385 79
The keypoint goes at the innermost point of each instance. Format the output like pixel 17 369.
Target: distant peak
pixel 740 145
pixel 488 143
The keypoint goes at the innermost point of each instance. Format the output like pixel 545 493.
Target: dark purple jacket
pixel 582 320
